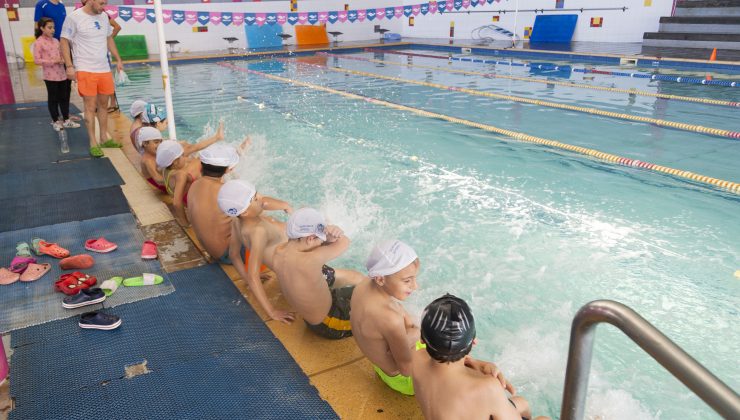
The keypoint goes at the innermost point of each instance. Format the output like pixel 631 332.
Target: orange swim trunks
pixel 93 84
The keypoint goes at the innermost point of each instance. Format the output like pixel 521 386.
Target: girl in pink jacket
pixel 48 54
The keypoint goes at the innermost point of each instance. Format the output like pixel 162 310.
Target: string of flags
pixel 202 18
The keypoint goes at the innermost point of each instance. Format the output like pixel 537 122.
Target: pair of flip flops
pixel 147 279
pixel 32 272
pixel 72 283
pixel 42 247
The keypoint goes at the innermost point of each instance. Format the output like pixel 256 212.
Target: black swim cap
pixel 447 326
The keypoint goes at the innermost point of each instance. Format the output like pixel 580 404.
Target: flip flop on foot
pixel 146 279
pixel 111 285
pixel 96 152
pixel 111 144
pixel 35 271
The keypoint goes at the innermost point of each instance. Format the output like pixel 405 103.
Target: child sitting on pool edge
pixel 445 388
pixel 148 140
pixel 385 333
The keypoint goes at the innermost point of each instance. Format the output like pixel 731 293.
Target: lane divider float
pixel 617 115
pixel 730 186
pixel 545 82
pixel 638 75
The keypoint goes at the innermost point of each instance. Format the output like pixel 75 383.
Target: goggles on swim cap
pixel 447 326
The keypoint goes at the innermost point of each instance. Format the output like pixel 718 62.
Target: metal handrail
pixel 723 399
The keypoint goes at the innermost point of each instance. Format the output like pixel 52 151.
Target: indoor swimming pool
pixel 526 233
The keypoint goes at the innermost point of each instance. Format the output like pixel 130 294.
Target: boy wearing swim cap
pixel 319 293
pixel 382 328
pixel 211 226
pixel 260 234
pixel 445 387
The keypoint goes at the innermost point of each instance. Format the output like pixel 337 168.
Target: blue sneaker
pixel 84 298
pixel 99 321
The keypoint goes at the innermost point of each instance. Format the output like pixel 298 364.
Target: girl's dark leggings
pixel 58 98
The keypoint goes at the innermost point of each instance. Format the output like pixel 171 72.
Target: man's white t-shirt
pixel 88 35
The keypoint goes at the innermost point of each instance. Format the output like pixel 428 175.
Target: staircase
pixel 697 27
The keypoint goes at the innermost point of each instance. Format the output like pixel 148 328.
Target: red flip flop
pixel 8 277
pixel 101 245
pixel 35 271
pixel 77 262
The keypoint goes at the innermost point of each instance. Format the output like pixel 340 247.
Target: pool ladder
pixel 685 368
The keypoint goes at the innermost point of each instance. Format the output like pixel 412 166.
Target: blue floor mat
pixel 25 304
pixel 64 177
pixel 40 210
pixel 208 353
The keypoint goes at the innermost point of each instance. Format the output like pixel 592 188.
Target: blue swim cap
pixel 447 326
pixel 153 114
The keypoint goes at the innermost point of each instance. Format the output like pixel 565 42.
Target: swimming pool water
pixel 526 234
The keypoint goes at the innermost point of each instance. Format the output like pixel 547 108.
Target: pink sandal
pixel 101 245
pixel 19 264
pixel 149 251
pixel 35 271
pixel 8 277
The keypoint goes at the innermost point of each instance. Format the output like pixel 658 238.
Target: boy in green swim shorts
pixel 383 330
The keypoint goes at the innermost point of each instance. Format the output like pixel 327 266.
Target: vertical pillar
pixel 6 85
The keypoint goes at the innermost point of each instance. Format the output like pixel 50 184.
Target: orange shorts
pixel 93 84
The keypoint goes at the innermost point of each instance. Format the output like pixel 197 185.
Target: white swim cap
pixel 306 222
pixel 234 197
pixel 146 134
pixel 137 108
pixel 389 257
pixel 219 155
pixel 167 152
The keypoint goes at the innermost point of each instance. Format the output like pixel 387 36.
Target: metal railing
pixel 685 368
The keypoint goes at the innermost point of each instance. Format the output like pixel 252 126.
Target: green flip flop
pixel 23 249
pixel 96 152
pixel 36 245
pixel 111 144
pixel 111 285
pixel 146 279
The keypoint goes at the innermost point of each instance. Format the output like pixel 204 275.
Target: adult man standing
pixel 54 10
pixel 89 33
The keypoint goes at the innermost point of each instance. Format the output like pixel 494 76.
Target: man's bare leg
pixel 90 103
pixel 102 103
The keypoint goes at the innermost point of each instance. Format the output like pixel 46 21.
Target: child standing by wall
pixel 48 54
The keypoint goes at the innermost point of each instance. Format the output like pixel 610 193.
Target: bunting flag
pixel 202 18
pixel 191 17
pixel 139 14
pixel 124 13
pixel 260 18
